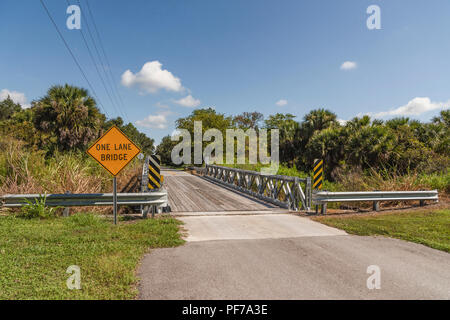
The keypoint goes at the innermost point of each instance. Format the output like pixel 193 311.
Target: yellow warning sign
pixel 113 150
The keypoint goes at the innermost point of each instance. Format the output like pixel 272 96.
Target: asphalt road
pixel 256 257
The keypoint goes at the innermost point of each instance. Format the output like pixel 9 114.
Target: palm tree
pixel 69 116
pixel 319 119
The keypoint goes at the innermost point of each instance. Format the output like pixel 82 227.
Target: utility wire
pixel 96 67
pixel 74 58
pixel 104 53
pixel 101 60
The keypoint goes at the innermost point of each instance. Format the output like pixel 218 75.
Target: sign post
pixel 113 151
pixel 115 199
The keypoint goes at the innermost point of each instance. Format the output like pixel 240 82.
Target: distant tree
pixel 69 116
pixel 8 108
pixel 443 118
pixel 317 120
pixel 248 120
pixel 210 120
pixel 164 150
pixel 289 136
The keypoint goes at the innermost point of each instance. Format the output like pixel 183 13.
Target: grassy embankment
pixel 35 254
pixel 430 228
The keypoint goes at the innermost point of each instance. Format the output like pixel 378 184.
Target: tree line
pixel 65 119
pixel 399 146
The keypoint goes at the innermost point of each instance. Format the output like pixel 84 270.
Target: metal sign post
pixel 115 199
pixel 113 151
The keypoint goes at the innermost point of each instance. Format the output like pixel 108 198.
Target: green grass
pixel 35 254
pixel 430 228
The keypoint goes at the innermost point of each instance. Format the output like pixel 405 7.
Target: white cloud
pixel 348 65
pixel 157 121
pixel 415 107
pixel 151 78
pixel 175 133
pixel 281 102
pixel 188 101
pixel 342 122
pixel 17 97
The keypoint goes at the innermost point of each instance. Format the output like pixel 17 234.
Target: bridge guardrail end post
pixel 66 211
pixel 376 206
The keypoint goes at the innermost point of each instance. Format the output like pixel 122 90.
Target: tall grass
pixel 356 180
pixel 26 171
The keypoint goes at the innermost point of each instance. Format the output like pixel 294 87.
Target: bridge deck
pixel 189 193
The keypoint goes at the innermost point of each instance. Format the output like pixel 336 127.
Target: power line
pixel 104 53
pixel 101 62
pixel 73 57
pixel 95 65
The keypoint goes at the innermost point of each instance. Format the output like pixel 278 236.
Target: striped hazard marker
pixel 318 174
pixel 154 172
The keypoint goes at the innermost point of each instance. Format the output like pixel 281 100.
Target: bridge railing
pixel 85 200
pixel 284 191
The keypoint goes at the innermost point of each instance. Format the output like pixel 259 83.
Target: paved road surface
pixel 329 267
pixel 282 256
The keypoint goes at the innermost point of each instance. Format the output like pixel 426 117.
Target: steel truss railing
pixel 284 191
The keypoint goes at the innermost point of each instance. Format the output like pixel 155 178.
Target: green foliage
pixel 164 150
pixel 66 119
pixel 248 120
pixel 289 136
pixel 85 219
pixel 439 181
pixel 69 116
pixel 364 154
pixel 210 120
pixel 8 108
pixel 38 209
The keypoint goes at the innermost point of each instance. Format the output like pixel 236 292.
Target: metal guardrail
pixel 323 197
pixel 283 191
pixel 158 199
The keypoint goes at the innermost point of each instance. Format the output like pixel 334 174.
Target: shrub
pixel 37 209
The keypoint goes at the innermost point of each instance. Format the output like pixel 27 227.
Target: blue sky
pixel 237 56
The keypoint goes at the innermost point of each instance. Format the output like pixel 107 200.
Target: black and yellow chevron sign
pixel 318 174
pixel 154 172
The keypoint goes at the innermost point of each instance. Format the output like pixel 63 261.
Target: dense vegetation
pixel 42 148
pixel 362 149
pixel 360 154
pixel 65 119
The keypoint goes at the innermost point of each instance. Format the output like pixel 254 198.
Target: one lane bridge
pixel 193 195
